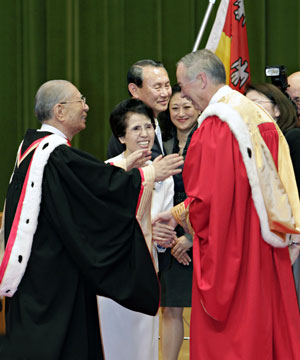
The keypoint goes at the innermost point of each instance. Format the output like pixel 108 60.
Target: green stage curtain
pixel 92 43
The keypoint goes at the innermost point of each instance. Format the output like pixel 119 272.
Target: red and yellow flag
pixel 228 40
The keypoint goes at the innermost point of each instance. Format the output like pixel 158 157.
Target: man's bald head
pixel 294 89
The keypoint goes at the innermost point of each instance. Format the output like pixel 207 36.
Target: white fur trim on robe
pixel 241 133
pixel 28 222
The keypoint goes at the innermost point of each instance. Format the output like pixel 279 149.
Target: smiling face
pixel 182 112
pixel 155 90
pixel 75 112
pixel 139 133
pixel 191 88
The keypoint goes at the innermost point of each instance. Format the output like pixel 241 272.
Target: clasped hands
pixel 163 234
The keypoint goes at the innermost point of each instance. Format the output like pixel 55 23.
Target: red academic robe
pixel 244 303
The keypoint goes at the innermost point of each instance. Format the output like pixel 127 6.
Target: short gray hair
pixel 204 61
pixel 48 95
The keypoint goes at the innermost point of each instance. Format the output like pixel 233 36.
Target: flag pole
pixel 203 25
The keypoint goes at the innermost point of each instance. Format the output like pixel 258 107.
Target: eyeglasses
pixel 83 100
pixel 263 102
pixel 138 129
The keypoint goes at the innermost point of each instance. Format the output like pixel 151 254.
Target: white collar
pixel 224 90
pixel 52 129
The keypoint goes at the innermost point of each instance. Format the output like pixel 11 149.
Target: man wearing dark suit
pixel 148 81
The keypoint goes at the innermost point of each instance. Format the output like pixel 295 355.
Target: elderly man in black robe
pixel 72 230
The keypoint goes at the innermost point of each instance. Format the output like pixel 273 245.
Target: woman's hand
pixel 179 250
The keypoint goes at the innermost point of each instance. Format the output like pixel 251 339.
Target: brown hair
pixel 288 116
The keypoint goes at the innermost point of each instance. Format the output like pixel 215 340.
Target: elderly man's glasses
pixel 82 99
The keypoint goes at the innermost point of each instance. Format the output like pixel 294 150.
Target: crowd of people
pixel 197 205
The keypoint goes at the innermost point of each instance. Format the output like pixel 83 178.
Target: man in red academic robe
pixel 242 208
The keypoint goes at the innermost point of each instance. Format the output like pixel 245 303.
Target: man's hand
pixel 163 234
pixel 167 166
pixel 165 217
pixel 138 159
pixel 179 251
pixel 163 225
pixel 294 251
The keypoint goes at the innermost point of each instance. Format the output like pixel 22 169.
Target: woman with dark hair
pixel 178 124
pixel 276 103
pixel 284 113
pixel 126 334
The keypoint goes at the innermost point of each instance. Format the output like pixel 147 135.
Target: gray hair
pixel 48 95
pixel 204 61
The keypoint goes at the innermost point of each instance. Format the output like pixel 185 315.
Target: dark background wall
pixel 92 43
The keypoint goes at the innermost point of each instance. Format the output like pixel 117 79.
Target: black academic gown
pixel 87 242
